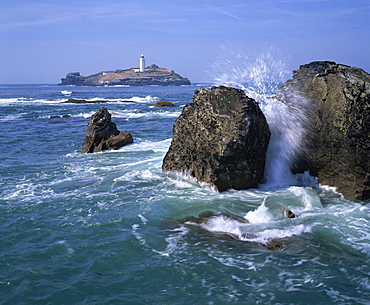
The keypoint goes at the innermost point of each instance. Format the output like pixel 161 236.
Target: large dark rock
pixel 339 124
pixel 102 134
pixel 220 138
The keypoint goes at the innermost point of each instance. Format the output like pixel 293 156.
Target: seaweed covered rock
pixel 221 139
pixel 102 134
pixel 339 124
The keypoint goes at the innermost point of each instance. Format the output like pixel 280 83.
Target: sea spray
pixel 260 75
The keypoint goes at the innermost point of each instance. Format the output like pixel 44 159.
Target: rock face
pixel 153 75
pixel 339 121
pixel 102 134
pixel 220 138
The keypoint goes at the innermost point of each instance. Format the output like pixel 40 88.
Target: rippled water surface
pixel 101 228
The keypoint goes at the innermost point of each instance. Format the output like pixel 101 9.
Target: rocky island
pixel 143 76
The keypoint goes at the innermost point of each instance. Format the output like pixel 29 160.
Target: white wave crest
pixel 66 92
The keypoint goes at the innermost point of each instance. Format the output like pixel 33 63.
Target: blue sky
pixel 42 40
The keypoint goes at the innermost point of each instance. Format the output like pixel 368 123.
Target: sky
pixel 42 40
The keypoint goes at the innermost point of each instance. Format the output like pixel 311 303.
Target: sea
pixel 102 228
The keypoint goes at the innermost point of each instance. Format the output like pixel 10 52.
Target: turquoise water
pixel 101 228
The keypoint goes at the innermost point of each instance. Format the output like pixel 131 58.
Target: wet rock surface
pixel 221 139
pixel 102 134
pixel 339 124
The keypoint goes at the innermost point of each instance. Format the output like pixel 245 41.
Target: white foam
pixel 307 196
pixel 138 236
pixel 159 146
pixel 66 92
pixel 267 235
pixel 224 224
pixel 85 114
pixel 138 175
pixel 174 241
pixel 135 114
pixel 26 101
pixel 254 232
pixel 328 190
pixel 147 99
pixel 143 219
pixel 11 117
pixel 267 212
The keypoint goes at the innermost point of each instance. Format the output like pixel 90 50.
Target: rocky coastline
pixel 221 137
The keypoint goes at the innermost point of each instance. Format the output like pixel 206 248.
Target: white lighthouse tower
pixel 142 63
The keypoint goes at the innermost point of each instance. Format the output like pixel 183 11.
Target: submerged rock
pixel 339 124
pixel 206 217
pixel 60 116
pixel 220 138
pixel 81 101
pixel 200 219
pixel 161 104
pixel 102 134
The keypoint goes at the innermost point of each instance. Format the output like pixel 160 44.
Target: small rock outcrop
pixel 81 101
pixel 161 104
pixel 102 134
pixel 221 139
pixel 339 124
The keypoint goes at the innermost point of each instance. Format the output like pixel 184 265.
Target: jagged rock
pixel 161 104
pixel 102 134
pixel 220 138
pixel 339 124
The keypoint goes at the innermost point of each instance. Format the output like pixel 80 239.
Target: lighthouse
pixel 142 63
